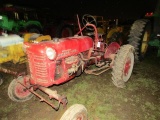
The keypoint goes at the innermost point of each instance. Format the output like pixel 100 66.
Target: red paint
pixel 42 69
pixel 127 67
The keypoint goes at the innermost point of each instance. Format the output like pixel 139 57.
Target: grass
pixel 140 100
pixel 104 101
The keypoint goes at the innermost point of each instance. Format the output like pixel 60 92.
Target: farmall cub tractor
pixel 59 60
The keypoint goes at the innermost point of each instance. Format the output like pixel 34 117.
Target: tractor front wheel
pixel 75 112
pixel 18 92
pixel 123 65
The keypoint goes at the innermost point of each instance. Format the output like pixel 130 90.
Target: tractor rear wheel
pixel 75 112
pixel 64 30
pixel 18 92
pixel 123 65
pixel 139 37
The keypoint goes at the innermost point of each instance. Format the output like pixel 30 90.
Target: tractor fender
pixel 111 49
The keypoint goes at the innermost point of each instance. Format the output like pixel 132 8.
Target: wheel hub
pixel 127 67
pixel 21 91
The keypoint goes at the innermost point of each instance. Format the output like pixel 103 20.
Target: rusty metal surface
pixel 97 71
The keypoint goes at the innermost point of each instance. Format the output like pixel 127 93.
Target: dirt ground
pixel 140 100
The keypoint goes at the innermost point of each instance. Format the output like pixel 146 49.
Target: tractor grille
pixel 38 68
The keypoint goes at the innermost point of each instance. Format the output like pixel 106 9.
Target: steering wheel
pixel 89 19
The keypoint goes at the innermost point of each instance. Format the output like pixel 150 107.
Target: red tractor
pixel 56 61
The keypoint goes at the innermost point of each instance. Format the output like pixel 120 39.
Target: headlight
pixel 51 53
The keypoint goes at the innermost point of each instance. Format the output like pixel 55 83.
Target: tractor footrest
pixel 97 71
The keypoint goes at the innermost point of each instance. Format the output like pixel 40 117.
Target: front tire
pixel 18 92
pixel 75 112
pixel 139 37
pixel 123 65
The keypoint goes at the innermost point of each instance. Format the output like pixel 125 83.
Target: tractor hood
pixel 63 47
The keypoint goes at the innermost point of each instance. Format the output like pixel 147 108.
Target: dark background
pixel 106 8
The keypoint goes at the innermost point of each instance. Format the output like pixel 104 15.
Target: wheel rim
pixel 66 32
pixel 75 112
pixel 20 90
pixel 79 117
pixel 128 67
pixel 145 42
